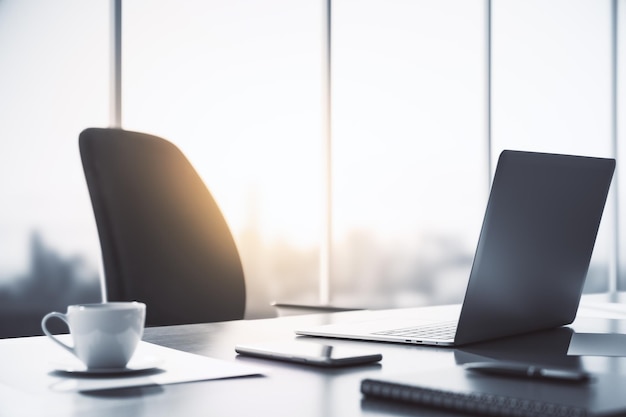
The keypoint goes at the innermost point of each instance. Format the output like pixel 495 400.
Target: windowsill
pixel 292 309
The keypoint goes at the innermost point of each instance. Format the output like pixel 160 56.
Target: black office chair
pixel 163 237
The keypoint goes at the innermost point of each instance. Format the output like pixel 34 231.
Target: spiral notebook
pixel 461 391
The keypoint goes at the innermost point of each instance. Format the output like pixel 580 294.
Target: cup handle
pixel 51 336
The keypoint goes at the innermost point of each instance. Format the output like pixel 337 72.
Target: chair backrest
pixel 163 237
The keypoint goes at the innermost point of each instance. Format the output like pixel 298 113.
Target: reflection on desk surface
pixel 545 348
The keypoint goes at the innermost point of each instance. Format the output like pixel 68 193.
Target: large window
pixel 552 90
pixel 424 96
pixel 54 83
pixel 236 84
pixel 619 40
pixel 410 170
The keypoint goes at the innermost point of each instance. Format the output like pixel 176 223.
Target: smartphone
pixel 310 353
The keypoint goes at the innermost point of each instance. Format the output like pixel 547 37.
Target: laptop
pixel 531 261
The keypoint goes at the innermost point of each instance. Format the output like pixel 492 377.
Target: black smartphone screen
pixel 310 353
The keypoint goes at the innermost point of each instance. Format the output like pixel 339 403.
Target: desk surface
pixel 298 390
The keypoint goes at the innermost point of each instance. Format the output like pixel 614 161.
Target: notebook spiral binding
pixel 475 403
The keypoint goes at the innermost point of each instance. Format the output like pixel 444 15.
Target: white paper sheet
pixel 30 365
pixel 597 344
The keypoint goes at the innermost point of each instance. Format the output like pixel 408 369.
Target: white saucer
pixel 134 366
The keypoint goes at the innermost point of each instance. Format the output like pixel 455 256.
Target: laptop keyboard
pixel 437 331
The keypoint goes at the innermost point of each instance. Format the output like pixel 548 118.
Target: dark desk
pixel 296 390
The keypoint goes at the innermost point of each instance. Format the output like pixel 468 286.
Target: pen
pixel 526 371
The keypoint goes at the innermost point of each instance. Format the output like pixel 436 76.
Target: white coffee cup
pixel 105 335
